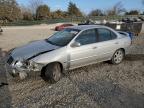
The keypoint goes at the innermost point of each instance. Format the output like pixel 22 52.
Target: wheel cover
pixel 56 73
pixel 118 56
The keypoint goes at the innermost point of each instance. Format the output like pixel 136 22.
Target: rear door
pixel 107 44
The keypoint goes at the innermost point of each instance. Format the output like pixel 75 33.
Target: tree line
pixel 37 10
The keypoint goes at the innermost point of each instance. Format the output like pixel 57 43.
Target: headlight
pixel 28 65
pixel 19 64
pixel 22 64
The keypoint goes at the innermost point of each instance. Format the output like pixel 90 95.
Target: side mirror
pixel 75 44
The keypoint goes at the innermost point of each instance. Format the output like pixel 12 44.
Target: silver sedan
pixel 71 48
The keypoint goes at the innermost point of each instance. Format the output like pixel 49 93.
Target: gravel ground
pixel 102 85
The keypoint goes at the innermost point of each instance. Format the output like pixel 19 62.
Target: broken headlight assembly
pixel 22 65
pixel 28 65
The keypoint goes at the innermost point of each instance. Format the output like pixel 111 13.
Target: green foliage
pixel 42 12
pixel 73 10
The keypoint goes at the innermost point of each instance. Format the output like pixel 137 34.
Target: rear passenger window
pixel 87 37
pixel 113 35
pixel 105 34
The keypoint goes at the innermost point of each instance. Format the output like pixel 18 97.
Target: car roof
pixel 85 27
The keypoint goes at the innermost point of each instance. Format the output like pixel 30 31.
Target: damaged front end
pixel 22 67
pixel 20 59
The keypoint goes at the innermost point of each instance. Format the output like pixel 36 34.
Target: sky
pixel 88 5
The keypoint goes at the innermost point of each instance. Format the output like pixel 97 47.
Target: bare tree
pixel 116 9
pixel 34 4
pixel 96 12
pixel 24 8
pixel 26 13
pixel 73 10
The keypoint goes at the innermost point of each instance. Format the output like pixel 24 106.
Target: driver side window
pixel 87 37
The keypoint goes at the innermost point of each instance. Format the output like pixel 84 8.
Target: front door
pixel 84 54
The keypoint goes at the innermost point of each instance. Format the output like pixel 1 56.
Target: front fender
pixel 58 55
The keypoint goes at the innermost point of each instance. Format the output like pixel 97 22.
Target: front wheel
pixel 118 57
pixel 52 73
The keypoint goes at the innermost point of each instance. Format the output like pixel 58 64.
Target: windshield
pixel 62 38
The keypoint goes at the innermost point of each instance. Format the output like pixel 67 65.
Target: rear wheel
pixel 52 73
pixel 118 57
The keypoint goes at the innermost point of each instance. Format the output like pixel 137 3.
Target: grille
pixel 10 60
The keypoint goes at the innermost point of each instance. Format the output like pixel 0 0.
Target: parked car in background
pixel 141 18
pixel 124 20
pixel 62 27
pixel 132 20
pixel 136 19
pixel 71 48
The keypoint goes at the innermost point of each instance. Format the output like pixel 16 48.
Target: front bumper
pixel 16 71
pixel 13 71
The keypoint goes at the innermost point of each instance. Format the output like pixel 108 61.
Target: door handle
pixel 94 47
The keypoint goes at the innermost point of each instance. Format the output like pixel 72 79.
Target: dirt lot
pixel 96 86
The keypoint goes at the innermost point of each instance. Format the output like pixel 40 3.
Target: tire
pixel 118 56
pixel 52 73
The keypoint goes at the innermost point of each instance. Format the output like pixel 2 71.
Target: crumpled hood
pixel 32 49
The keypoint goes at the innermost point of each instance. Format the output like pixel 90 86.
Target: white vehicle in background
pixel 71 48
